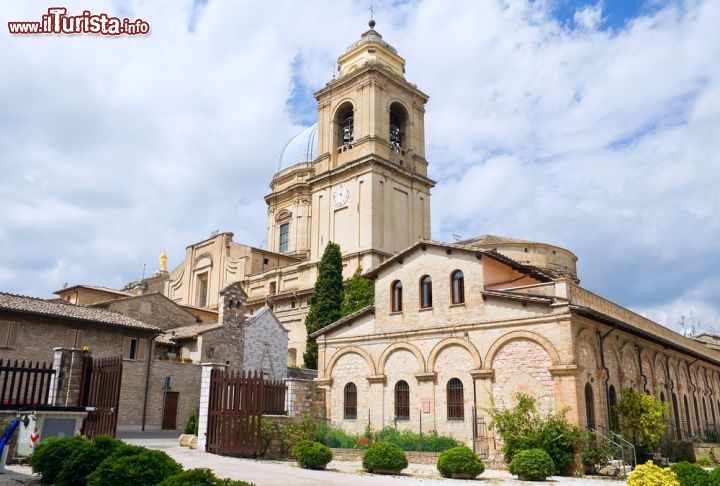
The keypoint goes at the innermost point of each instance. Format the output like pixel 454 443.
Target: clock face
pixel 341 193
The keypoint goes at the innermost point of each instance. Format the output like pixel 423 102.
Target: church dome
pixel 303 147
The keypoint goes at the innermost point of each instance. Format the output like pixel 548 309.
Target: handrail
pixel 612 437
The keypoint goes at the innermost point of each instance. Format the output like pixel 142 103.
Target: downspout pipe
pixel 639 356
pixel 601 340
pixel 151 354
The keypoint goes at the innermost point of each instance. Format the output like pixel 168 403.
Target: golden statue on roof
pixel 163 261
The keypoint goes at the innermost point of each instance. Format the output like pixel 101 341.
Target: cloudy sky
pixel 592 125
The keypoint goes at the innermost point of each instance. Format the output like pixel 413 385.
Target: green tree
pixel 326 301
pixel 642 418
pixel 359 293
pixel 523 427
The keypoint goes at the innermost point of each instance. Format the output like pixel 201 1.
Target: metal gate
pixel 236 404
pixel 480 440
pixel 100 391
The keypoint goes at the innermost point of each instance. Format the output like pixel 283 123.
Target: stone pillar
pixel 427 406
pixel 377 401
pixel 566 390
pixel 482 380
pixel 65 385
pixel 205 401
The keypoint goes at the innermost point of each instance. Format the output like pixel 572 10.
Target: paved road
pixel 280 473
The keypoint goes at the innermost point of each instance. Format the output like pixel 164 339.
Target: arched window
pixel 402 400
pixel 687 415
pixel 457 284
pixel 455 400
pixel 697 415
pixel 398 121
pixel 350 402
pixel 426 292
pixel 396 297
pixel 662 397
pixel 612 401
pixel 589 406
pixel 676 413
pixel 344 120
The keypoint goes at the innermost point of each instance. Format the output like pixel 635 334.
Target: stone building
pixel 161 342
pixel 454 324
pixel 358 178
pixel 31 328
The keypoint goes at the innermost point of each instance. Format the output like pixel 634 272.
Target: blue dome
pixel 303 147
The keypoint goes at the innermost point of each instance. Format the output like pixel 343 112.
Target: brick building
pixel 454 323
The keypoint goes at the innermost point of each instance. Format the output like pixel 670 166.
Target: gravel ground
pixel 272 473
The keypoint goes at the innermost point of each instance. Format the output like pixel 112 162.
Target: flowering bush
pixel 649 474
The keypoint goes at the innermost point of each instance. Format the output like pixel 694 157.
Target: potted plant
pixel 459 463
pixel 311 455
pixel 532 465
pixel 384 458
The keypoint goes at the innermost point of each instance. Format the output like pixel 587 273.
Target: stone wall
pixel 184 379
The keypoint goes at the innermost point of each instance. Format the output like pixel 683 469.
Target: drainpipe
pixel 645 380
pixel 151 353
pixel 601 340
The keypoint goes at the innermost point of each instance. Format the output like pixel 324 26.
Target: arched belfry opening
pixel 344 121
pixel 398 125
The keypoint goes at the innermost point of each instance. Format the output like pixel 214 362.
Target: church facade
pixel 455 326
pixel 357 178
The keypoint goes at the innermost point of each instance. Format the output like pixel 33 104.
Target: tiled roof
pixel 171 336
pixel 344 320
pixel 94 287
pixel 33 305
pixel 485 240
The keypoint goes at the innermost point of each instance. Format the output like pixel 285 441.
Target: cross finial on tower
pixel 372 12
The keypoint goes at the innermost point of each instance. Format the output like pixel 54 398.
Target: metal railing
pixel 625 451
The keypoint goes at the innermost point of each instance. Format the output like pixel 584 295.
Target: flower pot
pixel 462 475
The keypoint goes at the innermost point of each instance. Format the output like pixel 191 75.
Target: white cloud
pixel 589 16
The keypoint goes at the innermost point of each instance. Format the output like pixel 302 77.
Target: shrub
pixel 384 456
pixel 459 459
pixel 715 476
pixel 704 461
pixel 134 466
pixel 532 465
pixel 649 474
pixel 690 474
pixel 311 455
pixel 86 459
pixel 201 477
pixel 408 440
pixel 597 453
pixel 336 437
pixel 287 433
pixel 191 425
pixel 49 456
pixel 522 427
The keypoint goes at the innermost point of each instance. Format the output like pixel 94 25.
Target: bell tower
pixel 370 192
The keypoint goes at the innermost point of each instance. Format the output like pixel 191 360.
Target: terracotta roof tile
pixel 33 305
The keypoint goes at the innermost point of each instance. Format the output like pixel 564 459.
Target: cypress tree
pixel 359 293
pixel 326 301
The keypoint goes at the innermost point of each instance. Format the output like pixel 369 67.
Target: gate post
pixel 205 401
pixel 65 385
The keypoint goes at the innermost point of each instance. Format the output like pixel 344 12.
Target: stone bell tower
pixel 370 192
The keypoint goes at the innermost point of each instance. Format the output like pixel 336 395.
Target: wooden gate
pixel 237 402
pixel 100 391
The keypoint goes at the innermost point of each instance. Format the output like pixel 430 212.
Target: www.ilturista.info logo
pixel 56 21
